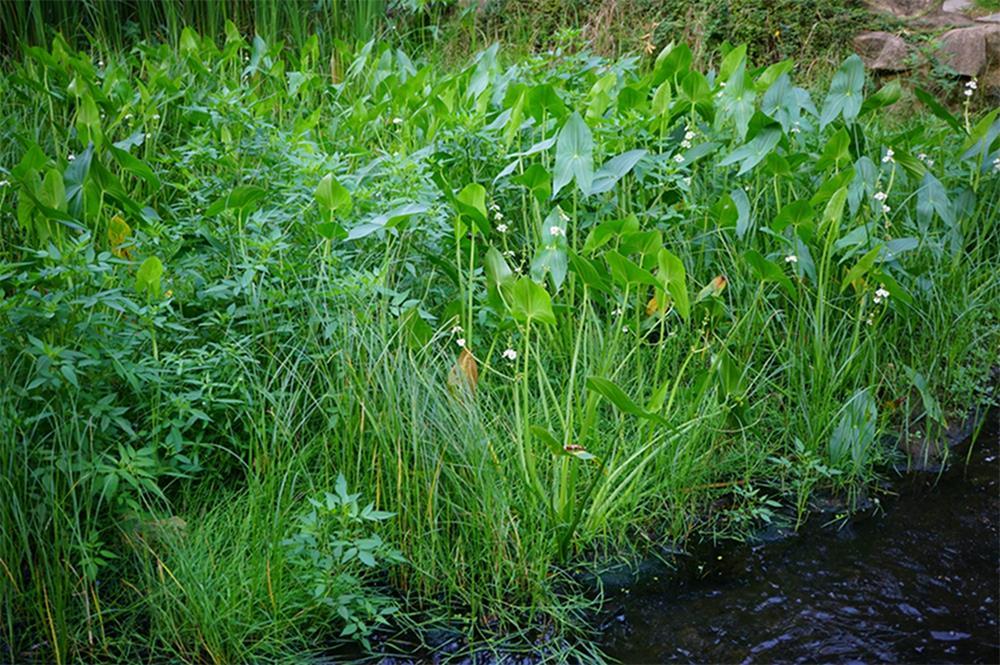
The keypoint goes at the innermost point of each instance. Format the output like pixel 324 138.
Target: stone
pixel 968 50
pixel 989 18
pixel 904 8
pixel 956 5
pixel 883 51
pixel 941 20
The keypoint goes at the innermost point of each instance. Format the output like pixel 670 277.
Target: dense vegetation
pixel 296 348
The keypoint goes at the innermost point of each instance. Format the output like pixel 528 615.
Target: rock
pixel 956 5
pixel 968 50
pixel 903 8
pixel 940 20
pixel 990 18
pixel 883 51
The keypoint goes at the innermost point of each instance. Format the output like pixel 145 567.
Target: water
pixel 917 582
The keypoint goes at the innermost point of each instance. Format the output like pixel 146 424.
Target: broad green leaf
pixel 861 268
pixel 887 95
pixel 574 156
pixel 134 165
pixel 614 170
pixel 625 272
pixel 935 107
pixel 617 396
pixel 147 279
pixel 332 196
pixel 674 281
pixel 751 154
pixel 846 92
pixel 472 202
pixel 796 213
pixel 769 271
pixel 933 197
pixel 241 198
pixel 528 301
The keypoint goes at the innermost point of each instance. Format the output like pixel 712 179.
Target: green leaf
pixel 935 107
pixel 933 197
pixel 846 92
pixel 241 198
pixel 135 166
pixel 617 396
pixel 751 154
pixel 861 268
pixel 332 196
pixel 147 279
pixel 574 156
pixel 931 405
pixel 528 301
pixel 471 202
pixel 769 271
pixel 625 272
pixel 674 280
pixel 614 170
pixel 836 150
pixel 887 95
pixel 795 214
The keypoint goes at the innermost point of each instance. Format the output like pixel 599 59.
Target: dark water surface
pixel 918 582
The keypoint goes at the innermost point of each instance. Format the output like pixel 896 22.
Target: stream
pixel 917 581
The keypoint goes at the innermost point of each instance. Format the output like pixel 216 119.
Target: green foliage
pixel 257 278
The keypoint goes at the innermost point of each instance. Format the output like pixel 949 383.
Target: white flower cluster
pixel 556 231
pixel 510 355
pixel 881 197
pixel 888 159
pixel 881 294
pixel 688 137
pixel 923 157
pixel 970 87
pixel 791 258
pixel 996 164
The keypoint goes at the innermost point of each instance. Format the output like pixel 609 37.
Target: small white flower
pixel 494 206
pixel 996 164
pixel 510 354
pixel 128 116
pixel 795 128
pixel 148 135
pixel 687 181
pixel 968 92
pixel 888 156
pixel 881 196
pixel 971 84
pixel 678 159
pixel 624 329
pixel 497 216
pixel 501 228
pixel 930 162
pixel 722 84
pixel 71 157
pixel 563 215
pixel 509 253
pixel 100 63
pixel 461 342
pixel 922 156
pixel 791 258
pixel 685 144
pixel 886 209
pixel 689 135
pixel 4 183
pixel 880 294
pixel 617 311
pixel 556 231
pixel 156 116
pixel 456 330
pixel 397 121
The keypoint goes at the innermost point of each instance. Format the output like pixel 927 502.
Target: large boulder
pixel 968 51
pixel 883 51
